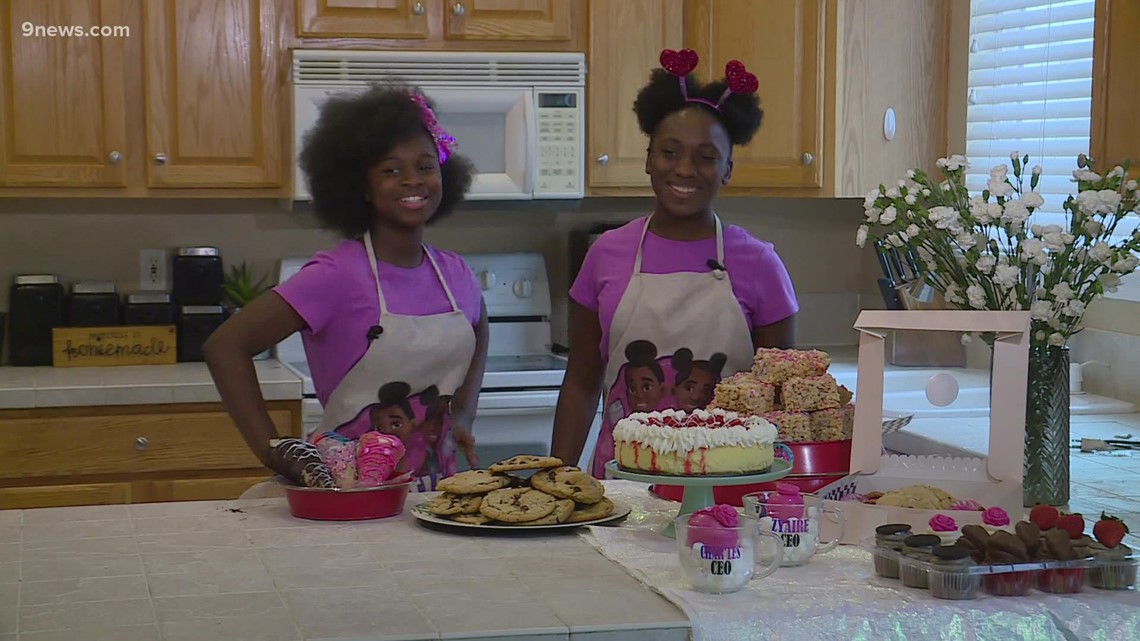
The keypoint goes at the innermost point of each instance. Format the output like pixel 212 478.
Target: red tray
pixel 823 457
pixel 357 504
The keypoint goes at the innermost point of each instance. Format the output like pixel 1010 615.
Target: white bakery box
pixel 994 481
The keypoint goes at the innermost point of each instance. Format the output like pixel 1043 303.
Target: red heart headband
pixel 680 63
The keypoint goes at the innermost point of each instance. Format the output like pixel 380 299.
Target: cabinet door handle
pixel 418 8
pixel 160 158
pixel 114 157
pixel 141 443
pixel 459 9
pixel 807 158
pixel 604 160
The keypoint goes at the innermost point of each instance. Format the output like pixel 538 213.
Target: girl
pixel 677 278
pixel 381 307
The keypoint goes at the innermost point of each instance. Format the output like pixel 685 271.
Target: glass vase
pixel 1046 479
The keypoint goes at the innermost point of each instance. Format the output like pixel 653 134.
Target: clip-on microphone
pixel 718 269
pixel 374 332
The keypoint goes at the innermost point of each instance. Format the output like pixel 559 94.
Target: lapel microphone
pixel 374 332
pixel 718 270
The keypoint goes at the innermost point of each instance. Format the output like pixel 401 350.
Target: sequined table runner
pixel 837 596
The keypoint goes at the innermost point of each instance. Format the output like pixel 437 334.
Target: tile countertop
pixel 248 570
pixel 34 387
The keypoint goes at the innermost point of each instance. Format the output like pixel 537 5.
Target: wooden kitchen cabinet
pixel 129 454
pixel 1115 132
pixel 213 91
pixel 63 104
pixel 190 101
pixel 620 59
pixel 551 25
pixel 827 71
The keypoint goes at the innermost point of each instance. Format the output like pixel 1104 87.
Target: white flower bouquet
pixel 980 252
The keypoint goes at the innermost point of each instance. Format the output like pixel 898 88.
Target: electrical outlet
pixel 152 270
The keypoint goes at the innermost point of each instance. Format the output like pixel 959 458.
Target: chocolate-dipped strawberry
pixel 300 462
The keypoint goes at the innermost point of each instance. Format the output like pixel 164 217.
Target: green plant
pixel 240 287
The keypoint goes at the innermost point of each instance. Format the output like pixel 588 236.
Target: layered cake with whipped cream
pixel 694 444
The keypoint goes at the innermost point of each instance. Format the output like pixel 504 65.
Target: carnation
pixel 989 251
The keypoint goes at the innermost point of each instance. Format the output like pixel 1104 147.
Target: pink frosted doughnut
pixel 340 457
pixel 376 457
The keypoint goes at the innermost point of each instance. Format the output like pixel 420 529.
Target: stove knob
pixel 523 288
pixel 486 279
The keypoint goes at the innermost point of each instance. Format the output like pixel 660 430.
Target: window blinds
pixel 1030 91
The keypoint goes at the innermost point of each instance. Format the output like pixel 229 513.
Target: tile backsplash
pixel 1116 373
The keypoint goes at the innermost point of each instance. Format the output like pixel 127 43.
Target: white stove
pixel 515 414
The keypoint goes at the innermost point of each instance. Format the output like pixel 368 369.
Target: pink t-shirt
pixel 759 278
pixel 335 294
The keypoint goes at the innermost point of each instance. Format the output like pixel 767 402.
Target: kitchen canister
pixel 198 276
pixel 195 324
pixel 149 308
pixel 93 304
pixel 36 305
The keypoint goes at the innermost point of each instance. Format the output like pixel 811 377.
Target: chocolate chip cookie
pixel 517 505
pixel 526 462
pixel 471 519
pixel 569 483
pixel 447 504
pixel 562 511
pixel 472 482
pixel 591 511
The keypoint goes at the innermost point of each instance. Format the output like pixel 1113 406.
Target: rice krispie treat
pixel 810 393
pixel 848 420
pixel 745 394
pixel 845 395
pixel 791 427
pixel 827 425
pixel 778 365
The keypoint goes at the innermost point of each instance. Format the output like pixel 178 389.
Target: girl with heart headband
pixel 677 279
pixel 382 305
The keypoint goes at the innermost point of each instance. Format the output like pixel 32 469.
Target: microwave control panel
pixel 559 171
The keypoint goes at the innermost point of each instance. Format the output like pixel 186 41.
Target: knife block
pixel 925 349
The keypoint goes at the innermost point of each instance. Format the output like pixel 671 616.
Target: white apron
pixel 404 382
pixel 687 332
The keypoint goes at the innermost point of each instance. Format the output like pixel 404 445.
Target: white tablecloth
pixel 837 596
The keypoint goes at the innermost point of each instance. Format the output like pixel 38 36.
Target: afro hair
pixel 353 133
pixel 739 114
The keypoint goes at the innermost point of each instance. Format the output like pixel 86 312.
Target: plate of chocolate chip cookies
pixel 523 492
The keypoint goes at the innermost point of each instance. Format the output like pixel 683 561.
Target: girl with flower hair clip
pixel 676 278
pixel 382 306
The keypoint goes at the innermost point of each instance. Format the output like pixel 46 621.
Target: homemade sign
pixel 112 346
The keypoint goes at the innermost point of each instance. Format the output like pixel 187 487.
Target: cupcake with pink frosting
pixel 945 528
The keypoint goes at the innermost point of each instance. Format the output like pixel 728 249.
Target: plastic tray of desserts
pixel 961 578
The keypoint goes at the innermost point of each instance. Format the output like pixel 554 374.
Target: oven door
pixel 510 423
pixel 520 422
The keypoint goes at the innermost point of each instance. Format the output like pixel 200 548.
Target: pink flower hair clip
pixel 681 63
pixel 445 143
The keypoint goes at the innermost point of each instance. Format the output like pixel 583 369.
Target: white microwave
pixel 519 117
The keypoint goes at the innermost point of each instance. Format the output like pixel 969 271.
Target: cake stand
pixel 699 489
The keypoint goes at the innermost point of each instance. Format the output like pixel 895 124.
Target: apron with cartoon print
pixel 404 382
pixel 673 337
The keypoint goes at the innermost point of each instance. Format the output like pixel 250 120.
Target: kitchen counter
pixel 37 387
pixel 248 570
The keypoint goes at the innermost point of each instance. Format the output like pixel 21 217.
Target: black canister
pixel 198 276
pixel 149 308
pixel 36 304
pixel 195 324
pixel 93 304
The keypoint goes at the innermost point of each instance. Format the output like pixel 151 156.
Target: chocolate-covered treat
pixel 1058 546
pixel 300 462
pixel 1005 547
pixel 1030 535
